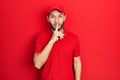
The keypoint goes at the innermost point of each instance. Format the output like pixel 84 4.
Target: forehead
pixel 55 11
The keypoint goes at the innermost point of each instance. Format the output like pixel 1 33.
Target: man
pixel 57 52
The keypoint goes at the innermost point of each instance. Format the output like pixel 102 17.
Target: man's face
pixel 55 17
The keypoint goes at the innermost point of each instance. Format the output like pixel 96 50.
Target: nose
pixel 56 20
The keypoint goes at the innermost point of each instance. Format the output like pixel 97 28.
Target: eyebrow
pixel 61 13
pixel 53 14
pixel 50 14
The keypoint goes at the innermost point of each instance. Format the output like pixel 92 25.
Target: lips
pixel 56 25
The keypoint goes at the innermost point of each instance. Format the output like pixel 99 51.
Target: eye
pixel 52 16
pixel 60 16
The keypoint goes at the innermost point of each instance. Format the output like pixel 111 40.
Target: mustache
pixel 54 28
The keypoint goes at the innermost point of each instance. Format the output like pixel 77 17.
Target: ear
pixel 48 19
pixel 64 17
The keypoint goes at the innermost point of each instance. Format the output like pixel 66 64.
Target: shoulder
pixel 72 35
pixel 44 33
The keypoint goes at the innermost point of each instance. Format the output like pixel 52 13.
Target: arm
pixel 77 68
pixel 41 57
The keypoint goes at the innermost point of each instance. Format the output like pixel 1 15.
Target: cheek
pixel 61 20
pixel 51 21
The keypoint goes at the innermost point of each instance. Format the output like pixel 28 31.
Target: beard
pixel 53 28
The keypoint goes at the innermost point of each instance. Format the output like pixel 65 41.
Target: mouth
pixel 56 25
pixel 53 26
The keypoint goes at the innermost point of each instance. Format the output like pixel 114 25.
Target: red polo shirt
pixel 59 65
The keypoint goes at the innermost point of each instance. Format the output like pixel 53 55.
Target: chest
pixel 64 47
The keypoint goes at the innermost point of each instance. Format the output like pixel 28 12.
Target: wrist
pixel 51 42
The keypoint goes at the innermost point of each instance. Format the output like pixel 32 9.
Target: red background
pixel 96 22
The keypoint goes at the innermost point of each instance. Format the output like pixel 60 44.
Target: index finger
pixel 56 28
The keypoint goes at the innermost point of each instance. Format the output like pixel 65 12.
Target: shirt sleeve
pixel 77 48
pixel 38 44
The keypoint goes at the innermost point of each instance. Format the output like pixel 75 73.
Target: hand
pixel 57 34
